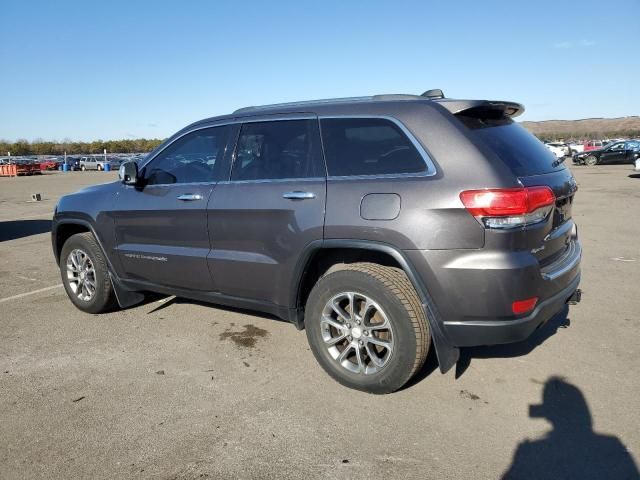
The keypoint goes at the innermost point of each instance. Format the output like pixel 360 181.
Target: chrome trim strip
pixel 431 167
pixel 564 264
pixel 274 180
pixel 190 197
pixel 296 195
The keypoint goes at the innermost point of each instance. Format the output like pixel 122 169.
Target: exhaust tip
pixel 575 298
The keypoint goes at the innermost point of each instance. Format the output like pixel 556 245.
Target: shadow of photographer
pixel 571 450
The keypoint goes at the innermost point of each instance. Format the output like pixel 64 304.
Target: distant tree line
pixel 42 147
pixel 580 136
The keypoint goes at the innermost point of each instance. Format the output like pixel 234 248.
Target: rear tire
pixel 85 275
pixel 366 327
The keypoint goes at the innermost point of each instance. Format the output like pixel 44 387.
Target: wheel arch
pixel 310 268
pixel 62 230
pixel 65 228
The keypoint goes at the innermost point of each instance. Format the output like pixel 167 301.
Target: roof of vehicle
pixel 364 105
pixel 454 106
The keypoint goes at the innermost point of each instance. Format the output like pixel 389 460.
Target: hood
pixel 100 187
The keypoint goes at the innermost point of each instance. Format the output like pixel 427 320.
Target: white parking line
pixel 44 216
pixel 15 297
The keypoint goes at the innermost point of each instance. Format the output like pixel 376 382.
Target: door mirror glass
pixel 128 173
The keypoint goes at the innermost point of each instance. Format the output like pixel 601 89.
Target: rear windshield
pixel 521 151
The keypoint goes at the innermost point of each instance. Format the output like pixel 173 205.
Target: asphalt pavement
pixel 177 389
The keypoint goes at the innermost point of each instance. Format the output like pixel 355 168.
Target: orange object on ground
pixel 8 171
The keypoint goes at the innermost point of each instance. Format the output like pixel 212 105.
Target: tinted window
pixel 277 150
pixel 521 151
pixel 196 157
pixel 368 146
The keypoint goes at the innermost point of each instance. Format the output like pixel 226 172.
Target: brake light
pixel 509 207
pixel 524 306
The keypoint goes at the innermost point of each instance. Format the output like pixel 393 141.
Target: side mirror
pixel 128 173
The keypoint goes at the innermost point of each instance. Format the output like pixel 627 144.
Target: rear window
pixel 368 146
pixel 520 150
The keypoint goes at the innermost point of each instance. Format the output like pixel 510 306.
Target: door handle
pixel 189 197
pixel 298 195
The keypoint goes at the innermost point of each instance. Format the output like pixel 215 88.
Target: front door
pixel 613 154
pixel 261 220
pixel 161 226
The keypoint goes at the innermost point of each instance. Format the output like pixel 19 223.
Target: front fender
pixel 125 296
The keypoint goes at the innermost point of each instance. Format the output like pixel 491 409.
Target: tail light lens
pixel 509 207
pixel 524 306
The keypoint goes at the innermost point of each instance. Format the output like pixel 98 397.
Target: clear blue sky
pixel 122 69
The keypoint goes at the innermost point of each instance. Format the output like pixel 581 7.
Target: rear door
pixel 161 227
pixel 632 151
pixel 270 210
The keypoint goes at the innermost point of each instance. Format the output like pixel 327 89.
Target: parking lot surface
pixel 177 389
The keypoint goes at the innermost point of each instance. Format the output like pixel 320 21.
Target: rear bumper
pixel 492 332
pixel 474 290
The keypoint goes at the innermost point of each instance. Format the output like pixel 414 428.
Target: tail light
pixel 509 207
pixel 524 306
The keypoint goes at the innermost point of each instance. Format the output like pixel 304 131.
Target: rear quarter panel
pixel 432 216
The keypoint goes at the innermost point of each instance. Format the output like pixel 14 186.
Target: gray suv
pixel 94 163
pixel 382 225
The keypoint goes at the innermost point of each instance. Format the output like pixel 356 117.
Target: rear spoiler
pixel 476 108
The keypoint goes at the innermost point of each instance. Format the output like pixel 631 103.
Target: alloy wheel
pixel 591 160
pixel 357 333
pixel 81 275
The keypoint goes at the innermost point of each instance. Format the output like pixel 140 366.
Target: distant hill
pixel 586 128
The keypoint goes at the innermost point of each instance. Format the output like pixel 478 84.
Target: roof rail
pixel 434 94
pixel 302 103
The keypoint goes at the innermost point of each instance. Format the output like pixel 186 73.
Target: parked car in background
pixel 558 149
pixel 616 152
pixel 576 148
pixel 593 145
pixel 376 237
pixel 73 163
pixel 48 164
pixel 26 166
pixel 94 163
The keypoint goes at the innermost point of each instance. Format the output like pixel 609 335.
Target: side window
pixel 368 146
pixel 196 157
pixel 278 150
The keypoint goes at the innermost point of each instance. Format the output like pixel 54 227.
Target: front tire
pixel 591 160
pixel 366 327
pixel 85 275
pixel 99 168
pixel 83 168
